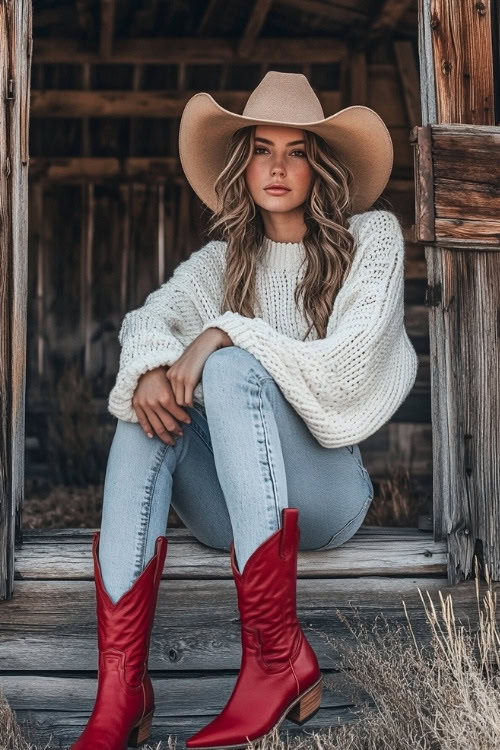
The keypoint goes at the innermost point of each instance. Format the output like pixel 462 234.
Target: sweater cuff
pixel 120 397
pixel 238 328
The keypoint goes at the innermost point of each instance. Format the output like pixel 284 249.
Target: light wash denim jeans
pixel 243 458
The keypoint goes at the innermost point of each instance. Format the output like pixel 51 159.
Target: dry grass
pixel 442 696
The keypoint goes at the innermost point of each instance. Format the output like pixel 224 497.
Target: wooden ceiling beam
pixel 321 9
pixel 209 51
pixel 145 169
pixel 388 17
pixel 151 103
pixel 207 17
pixel 106 28
pixel 253 28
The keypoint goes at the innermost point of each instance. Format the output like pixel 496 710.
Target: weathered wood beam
pixel 106 28
pixel 388 17
pixel 462 38
pixel 457 199
pixel 252 30
pixel 133 169
pixel 15 69
pixel 359 78
pixel 455 50
pixel 64 555
pixel 72 103
pixel 408 76
pixel 191 50
pixel 207 16
pixel 326 10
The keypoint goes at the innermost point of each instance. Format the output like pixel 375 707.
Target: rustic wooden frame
pixel 457 87
pixel 15 70
pixel 457 174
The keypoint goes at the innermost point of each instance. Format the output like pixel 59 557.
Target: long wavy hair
pixel 329 246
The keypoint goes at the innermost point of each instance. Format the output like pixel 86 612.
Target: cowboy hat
pixel 358 134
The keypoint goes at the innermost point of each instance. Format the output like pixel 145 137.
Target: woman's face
pixel 279 157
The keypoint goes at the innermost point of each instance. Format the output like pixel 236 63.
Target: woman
pixel 243 391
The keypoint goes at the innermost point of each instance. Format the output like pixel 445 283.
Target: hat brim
pixel 357 133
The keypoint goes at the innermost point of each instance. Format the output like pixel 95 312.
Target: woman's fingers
pixel 160 428
pixel 143 420
pixel 180 389
pixel 188 393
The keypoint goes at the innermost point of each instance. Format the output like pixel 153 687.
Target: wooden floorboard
pixel 48 644
pixel 65 554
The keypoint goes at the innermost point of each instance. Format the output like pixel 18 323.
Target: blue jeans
pixel 245 455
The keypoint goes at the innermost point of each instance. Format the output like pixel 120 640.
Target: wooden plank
pixel 467 233
pixel 183 704
pixel 463 61
pixel 408 76
pixel 359 78
pixel 51 625
pixel 53 554
pixel 15 61
pixel 424 227
pixel 137 169
pixel 388 17
pixel 156 104
pixel 254 25
pixel 194 50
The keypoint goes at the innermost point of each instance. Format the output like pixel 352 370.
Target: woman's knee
pixel 231 362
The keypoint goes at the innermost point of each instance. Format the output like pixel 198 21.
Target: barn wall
pixel 99 245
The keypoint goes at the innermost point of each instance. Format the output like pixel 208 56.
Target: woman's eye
pixel 261 148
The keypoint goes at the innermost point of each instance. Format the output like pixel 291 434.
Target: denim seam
pixel 348 523
pixel 146 506
pixel 201 433
pixel 260 380
pixel 364 472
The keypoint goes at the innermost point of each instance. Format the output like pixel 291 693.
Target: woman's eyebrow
pixel 266 140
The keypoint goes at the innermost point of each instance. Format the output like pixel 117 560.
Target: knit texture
pixel 345 386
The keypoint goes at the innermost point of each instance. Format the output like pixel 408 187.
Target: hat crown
pixel 285 97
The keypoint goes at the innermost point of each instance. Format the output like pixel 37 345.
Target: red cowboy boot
pixel 279 674
pixel 124 704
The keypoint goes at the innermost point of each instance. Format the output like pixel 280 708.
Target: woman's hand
pixel 155 405
pixel 185 374
pixel 155 401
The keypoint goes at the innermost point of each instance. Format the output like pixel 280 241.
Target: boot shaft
pixel 125 626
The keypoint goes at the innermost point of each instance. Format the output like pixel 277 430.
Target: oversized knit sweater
pixel 344 386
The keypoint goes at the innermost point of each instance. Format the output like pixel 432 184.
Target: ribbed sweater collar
pixel 282 256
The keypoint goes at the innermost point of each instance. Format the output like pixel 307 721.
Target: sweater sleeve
pixel 158 332
pixel 347 385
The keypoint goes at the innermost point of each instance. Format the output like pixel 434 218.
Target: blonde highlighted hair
pixel 329 246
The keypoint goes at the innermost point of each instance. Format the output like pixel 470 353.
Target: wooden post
pixel 15 70
pixel 457 86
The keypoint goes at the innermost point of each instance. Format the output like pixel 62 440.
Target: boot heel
pixel 307 706
pixel 141 732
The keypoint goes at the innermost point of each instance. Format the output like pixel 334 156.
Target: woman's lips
pixel 276 191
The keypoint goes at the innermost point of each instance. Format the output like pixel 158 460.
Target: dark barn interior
pixel 111 213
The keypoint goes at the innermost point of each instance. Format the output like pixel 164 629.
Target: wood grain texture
pixel 455 45
pixel 15 62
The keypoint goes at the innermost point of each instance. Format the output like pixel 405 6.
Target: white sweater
pixel 344 386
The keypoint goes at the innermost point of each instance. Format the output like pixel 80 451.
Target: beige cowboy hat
pixel 358 134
